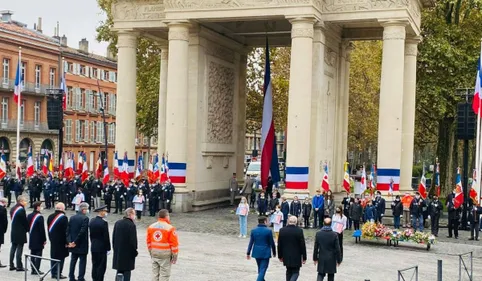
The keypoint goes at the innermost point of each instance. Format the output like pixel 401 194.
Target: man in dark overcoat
pixel 3 223
pixel 124 244
pixel 292 248
pixel 100 243
pixel 327 253
pixel 57 224
pixel 18 235
pixel 37 238
pixel 78 239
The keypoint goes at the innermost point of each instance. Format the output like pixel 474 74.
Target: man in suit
pixel 292 248
pixel 78 241
pixel 454 215
pixel 261 242
pixel 233 188
pixel 57 228
pixel 3 223
pixel 37 238
pixel 474 219
pixel 327 253
pixel 100 243
pixel 124 244
pixel 18 234
pixel 248 187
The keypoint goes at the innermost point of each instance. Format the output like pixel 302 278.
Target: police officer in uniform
pixel 100 243
pixel 37 237
pixel 108 190
pixel 153 199
pixel 435 210
pixel 48 192
pixel 63 190
pixel 131 191
pixel 170 194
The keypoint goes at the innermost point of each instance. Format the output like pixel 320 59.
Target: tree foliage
pixel 148 71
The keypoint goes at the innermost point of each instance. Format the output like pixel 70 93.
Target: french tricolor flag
pixel 18 80
pixel 476 103
pixel 269 154
pixel 388 179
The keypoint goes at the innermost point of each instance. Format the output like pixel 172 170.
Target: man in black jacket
pixel 327 253
pixel 3 223
pixel 57 228
pixel 435 210
pixel 474 219
pixel 119 190
pixel 124 244
pixel 416 212
pixel 292 248
pixel 18 235
pixel 100 243
pixel 78 239
pixel 454 216
pixel 37 237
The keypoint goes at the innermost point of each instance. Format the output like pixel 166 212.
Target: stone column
pixel 408 121
pixel 161 146
pixel 319 105
pixel 241 122
pixel 299 105
pixel 177 102
pixel 336 172
pixel 390 115
pixel 345 103
pixel 126 96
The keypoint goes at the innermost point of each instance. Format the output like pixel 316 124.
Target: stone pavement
pixel 211 251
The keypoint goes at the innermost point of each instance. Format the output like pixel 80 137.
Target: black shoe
pixel 21 269
pixel 60 277
pixel 450 236
pixel 35 273
pixel 471 239
pixel 2 266
pixel 13 268
pixel 456 237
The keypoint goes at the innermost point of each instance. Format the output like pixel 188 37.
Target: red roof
pixel 13 27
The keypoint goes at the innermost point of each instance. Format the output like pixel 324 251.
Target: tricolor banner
pixel 297 177
pixel 177 172
pixel 387 177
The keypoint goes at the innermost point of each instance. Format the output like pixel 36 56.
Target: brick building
pixel 40 66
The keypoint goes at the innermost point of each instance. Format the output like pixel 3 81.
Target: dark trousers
pixel 306 221
pixel 349 221
pixel 474 230
pixel 340 241
pixel 16 252
pixel 262 268
pixel 118 205
pixel 73 263
pixel 356 224
pixel 9 198
pixel 99 265
pixel 434 220
pixel 318 218
pixel 36 261
pixel 321 277
pixel 60 268
pixel 107 202
pixel 163 204
pixel 454 226
pixel 126 274
pixel 139 214
pixel 153 204
pixel 292 273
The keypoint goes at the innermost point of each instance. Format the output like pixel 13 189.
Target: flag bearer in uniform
pixel 37 237
pixel 162 243
pixel 18 233
pixel 100 243
pixel 57 228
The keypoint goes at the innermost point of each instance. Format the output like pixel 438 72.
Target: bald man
pixel 327 253
pixel 57 231
pixel 292 248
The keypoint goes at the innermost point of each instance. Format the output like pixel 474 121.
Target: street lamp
pixel 102 109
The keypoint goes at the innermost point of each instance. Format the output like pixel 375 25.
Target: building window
pixel 88 100
pixel 4 111
pixel 22 112
pixel 92 131
pixel 111 135
pixel 112 103
pixel 83 70
pixel 100 131
pixel 37 113
pixel 95 72
pixel 52 77
pixel 86 131
pixel 79 130
pixel 6 71
pixel 70 67
pixel 104 95
pixel 38 74
pixel 24 73
pixel 68 131
pixel 69 97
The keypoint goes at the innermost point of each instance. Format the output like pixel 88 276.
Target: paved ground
pixel 211 251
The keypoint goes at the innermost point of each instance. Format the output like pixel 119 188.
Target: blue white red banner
pixel 385 177
pixel 297 177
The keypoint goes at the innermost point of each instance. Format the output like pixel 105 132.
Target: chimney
pixel 58 30
pixel 39 25
pixel 63 41
pixel 6 15
pixel 56 37
pixel 84 45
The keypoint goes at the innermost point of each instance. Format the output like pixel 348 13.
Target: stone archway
pixel 5 147
pixel 23 149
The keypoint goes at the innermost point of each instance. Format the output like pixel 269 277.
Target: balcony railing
pixel 28 87
pixel 32 126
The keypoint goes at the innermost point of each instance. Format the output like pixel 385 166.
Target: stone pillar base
pixel 291 193
pixel 182 202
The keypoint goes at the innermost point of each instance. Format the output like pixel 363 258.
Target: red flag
pixel 422 189
pixel 106 175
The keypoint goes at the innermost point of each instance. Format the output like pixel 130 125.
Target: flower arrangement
pixel 376 230
pixel 372 230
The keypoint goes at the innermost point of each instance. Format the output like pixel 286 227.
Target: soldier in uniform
pixel 6 190
pixel 55 189
pixel 87 189
pixel 131 191
pixel 100 243
pixel 435 210
pixel 153 199
pixel 38 189
pixel 48 192
pixel 170 194
pixel 108 190
pixel 37 237
pixel 118 196
pixel 63 190
pixel 97 192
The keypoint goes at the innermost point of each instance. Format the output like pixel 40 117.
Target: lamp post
pixel 102 109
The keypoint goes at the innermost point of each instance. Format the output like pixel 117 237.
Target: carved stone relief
pixel 209 162
pixel 302 32
pixel 221 81
pixel 359 5
pixel 330 58
pixel 207 4
pixel 126 10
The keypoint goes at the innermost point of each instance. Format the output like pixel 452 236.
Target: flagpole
pixel 477 147
pixel 17 163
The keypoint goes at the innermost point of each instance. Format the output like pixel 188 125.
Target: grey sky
pixel 77 18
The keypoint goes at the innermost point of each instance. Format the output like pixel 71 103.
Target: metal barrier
pixel 28 260
pixel 462 263
pixel 414 274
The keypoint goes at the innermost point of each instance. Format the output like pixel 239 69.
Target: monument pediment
pixel 222 4
pixel 138 10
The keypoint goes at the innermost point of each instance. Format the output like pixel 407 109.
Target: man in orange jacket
pixel 162 243
pixel 406 202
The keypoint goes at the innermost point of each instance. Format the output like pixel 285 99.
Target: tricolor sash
pixel 54 221
pixel 34 220
pixel 14 214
